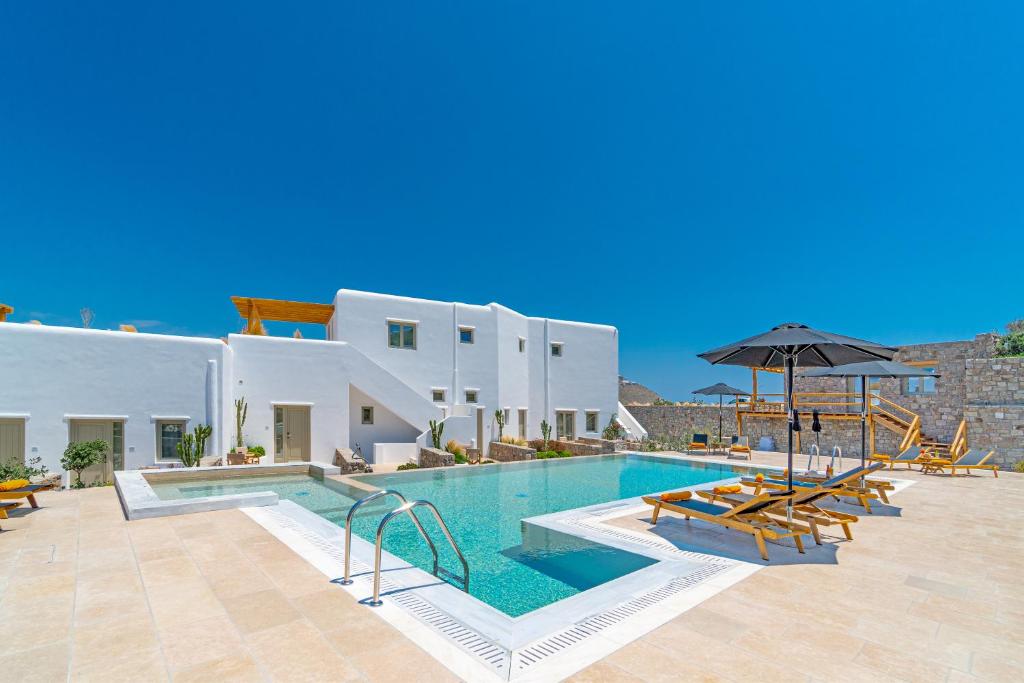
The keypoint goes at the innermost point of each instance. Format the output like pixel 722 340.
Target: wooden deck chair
pixel 805 508
pixel 848 484
pixel 698 443
pixel 749 517
pixel 741 445
pixel 914 455
pixel 973 459
pixel 6 507
pixel 880 487
pixel 28 492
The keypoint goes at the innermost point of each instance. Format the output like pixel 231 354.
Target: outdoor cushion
pixel 13 484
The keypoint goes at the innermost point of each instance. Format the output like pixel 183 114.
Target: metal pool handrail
pixel 408 507
pixel 347 581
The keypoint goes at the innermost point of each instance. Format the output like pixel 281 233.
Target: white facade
pixel 51 377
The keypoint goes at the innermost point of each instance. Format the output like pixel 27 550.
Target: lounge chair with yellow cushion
pixel 749 517
pixel 7 507
pixel 804 508
pixel 21 488
pixel 973 459
pixel 848 483
pixel 699 442
pixel 740 445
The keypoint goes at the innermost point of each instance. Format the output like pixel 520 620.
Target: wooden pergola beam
pixel 255 311
pixel 5 311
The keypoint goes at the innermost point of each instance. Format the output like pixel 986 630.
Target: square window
pixel 367 415
pixel 401 335
pixel 437 395
pixel 592 421
pixel 465 335
pixel 556 349
pixel 169 435
pixel 522 344
pixel 470 397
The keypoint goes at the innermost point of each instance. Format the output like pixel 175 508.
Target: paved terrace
pixel 930 590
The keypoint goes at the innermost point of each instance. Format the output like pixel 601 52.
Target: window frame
pixel 435 392
pixel 160 439
pixel 363 414
pixel 596 414
pixel 476 396
pixel 522 345
pixel 905 383
pixel 403 327
pixel 561 348
pixel 464 329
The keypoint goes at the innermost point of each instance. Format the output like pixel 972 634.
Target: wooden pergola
pixel 255 311
pixel 5 311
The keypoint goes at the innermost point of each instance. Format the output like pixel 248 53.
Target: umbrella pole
pixel 719 418
pixel 863 419
pixel 789 410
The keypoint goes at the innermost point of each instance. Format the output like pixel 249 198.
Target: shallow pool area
pixel 515 567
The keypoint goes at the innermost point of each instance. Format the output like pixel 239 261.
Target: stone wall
pixel 506 452
pixel 844 433
pixel 994 408
pixel 606 445
pixel 435 457
pixel 671 423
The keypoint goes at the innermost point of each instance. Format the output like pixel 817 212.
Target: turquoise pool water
pixel 483 507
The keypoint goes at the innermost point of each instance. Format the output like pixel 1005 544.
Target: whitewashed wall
pixel 55 374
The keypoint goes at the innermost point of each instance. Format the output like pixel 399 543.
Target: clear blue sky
pixel 691 172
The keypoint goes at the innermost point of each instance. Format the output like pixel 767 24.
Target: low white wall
pixel 390 453
pixel 634 430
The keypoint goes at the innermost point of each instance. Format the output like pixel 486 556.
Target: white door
pixel 565 425
pixel 102 430
pixel 12 440
pixel 291 432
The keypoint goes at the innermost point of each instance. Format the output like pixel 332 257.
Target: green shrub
pixel 1011 343
pixel 1019 466
pixel 544 455
pixel 258 450
pixel 460 458
pixel 81 455
pixel 408 466
pixel 18 470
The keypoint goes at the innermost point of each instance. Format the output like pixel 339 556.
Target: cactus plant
pixel 192 447
pixel 241 413
pixel 545 431
pixel 436 429
pixel 499 417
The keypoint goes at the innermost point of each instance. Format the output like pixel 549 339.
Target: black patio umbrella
pixel 720 390
pixel 792 344
pixel 871 368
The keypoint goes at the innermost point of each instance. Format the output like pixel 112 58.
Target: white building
pixel 389 365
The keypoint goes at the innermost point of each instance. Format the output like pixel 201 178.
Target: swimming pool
pixel 484 507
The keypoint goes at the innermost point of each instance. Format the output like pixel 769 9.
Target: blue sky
pixel 692 173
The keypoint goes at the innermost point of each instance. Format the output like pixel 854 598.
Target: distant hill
pixel 633 393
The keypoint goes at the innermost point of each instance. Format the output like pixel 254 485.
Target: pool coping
pixel 139 500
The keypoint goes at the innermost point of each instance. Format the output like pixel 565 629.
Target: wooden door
pixel 296 433
pixel 522 423
pixel 12 440
pixel 92 430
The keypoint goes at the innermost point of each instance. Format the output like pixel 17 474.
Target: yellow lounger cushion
pixel 678 495
pixel 13 484
pixel 759 477
pixel 697 444
pixel 940 462
pixel 732 488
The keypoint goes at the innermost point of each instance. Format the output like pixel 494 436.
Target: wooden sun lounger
pixel 7 507
pixel 749 517
pixel 914 455
pixel 974 459
pixel 805 508
pixel 700 443
pixel 846 481
pixel 29 492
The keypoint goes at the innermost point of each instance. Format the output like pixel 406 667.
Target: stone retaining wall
pixel 506 452
pixel 435 457
pixel 574 447
pixel 995 407
pixel 666 423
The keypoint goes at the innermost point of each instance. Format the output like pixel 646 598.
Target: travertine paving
pixel 930 590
